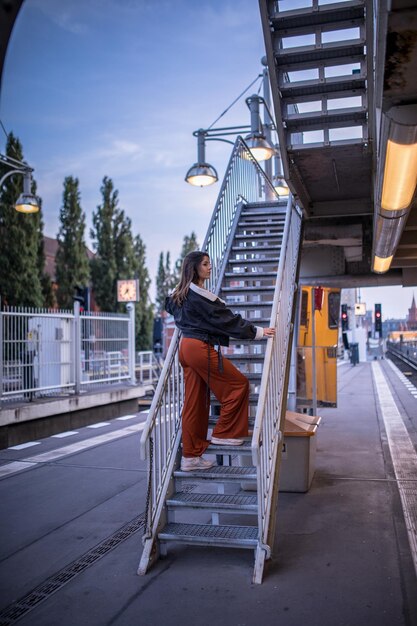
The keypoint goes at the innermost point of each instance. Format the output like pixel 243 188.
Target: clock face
pixel 127 291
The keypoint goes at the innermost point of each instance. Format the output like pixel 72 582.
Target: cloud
pixel 64 15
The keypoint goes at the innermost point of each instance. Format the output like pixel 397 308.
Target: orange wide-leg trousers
pixel 230 387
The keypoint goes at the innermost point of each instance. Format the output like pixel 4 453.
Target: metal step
pixel 279 215
pixel 331 119
pixel 255 248
pixel 215 502
pixel 208 535
pixel 284 22
pixel 253 401
pixel 245 448
pixel 332 53
pixel 239 290
pixel 253 305
pixel 254 262
pixel 223 474
pixel 250 275
pixel 252 236
pixel 334 86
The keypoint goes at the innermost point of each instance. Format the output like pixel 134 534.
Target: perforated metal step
pixel 205 534
pixel 220 474
pixel 214 502
pixel 245 448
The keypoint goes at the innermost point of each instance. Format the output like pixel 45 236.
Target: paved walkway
pixel 343 555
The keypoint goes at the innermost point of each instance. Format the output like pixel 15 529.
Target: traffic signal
pixel 345 319
pixel 378 318
pixel 82 295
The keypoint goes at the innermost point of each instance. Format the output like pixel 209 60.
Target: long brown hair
pixel 189 274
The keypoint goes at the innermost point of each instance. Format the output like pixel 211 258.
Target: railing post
pixel 131 310
pixel 77 347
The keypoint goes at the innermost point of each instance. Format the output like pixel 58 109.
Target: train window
pixel 304 309
pixel 334 308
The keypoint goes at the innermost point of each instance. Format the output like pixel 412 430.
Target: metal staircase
pixel 321 70
pixel 254 253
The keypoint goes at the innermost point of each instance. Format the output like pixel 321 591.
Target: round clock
pixel 128 290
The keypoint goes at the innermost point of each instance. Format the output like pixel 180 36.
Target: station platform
pixel 72 519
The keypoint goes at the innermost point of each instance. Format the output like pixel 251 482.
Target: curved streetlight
pixel 26 202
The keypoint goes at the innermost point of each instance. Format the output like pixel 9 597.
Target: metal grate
pixel 18 609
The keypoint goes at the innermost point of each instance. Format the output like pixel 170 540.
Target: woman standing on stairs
pixel 205 322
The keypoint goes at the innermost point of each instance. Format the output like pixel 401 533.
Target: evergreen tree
pixel 103 266
pixel 144 309
pixel 163 281
pixel 189 244
pixel 22 278
pixel 115 249
pixel 72 267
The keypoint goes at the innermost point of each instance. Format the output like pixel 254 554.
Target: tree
pixel 189 244
pixel 22 278
pixel 72 266
pixel 165 281
pixel 144 309
pixel 103 266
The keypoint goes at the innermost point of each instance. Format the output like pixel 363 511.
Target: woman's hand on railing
pixel 269 332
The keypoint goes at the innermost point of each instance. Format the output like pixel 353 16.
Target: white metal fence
pixel 51 353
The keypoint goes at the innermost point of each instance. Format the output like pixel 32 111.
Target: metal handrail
pixel 267 432
pixel 244 182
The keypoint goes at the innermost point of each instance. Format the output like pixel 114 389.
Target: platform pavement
pixel 342 553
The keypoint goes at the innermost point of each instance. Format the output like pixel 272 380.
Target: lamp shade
pixel 260 148
pixel 27 203
pixel 201 175
pixel 281 186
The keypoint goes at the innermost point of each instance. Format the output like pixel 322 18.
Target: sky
pixel 116 88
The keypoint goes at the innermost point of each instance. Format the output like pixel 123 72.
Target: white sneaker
pixel 189 464
pixel 226 442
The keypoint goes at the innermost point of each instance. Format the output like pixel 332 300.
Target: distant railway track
pixel 407 354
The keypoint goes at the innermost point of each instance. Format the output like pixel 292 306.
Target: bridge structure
pixel 342 76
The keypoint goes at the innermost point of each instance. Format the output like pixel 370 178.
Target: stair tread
pixel 310 54
pixel 207 500
pixel 307 16
pixel 252 305
pixel 248 275
pixel 220 472
pixel 244 288
pixel 314 87
pixel 198 532
pixel 245 448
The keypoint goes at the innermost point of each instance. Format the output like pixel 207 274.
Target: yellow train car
pixel 326 309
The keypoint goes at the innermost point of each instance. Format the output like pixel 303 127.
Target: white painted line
pixel 403 454
pixel 13 468
pixel 145 412
pixel 125 417
pixel 68 433
pixel 99 425
pixel 80 446
pixel 22 446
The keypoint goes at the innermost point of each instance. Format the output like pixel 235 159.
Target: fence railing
pixel 244 182
pixel 49 353
pixel 270 412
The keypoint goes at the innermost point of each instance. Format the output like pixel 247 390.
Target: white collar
pixel 205 293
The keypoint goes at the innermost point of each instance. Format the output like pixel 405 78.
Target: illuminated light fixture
pixel 382 264
pixel 258 145
pixel 281 186
pixel 278 180
pixel 27 202
pixel 397 180
pixel 201 174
